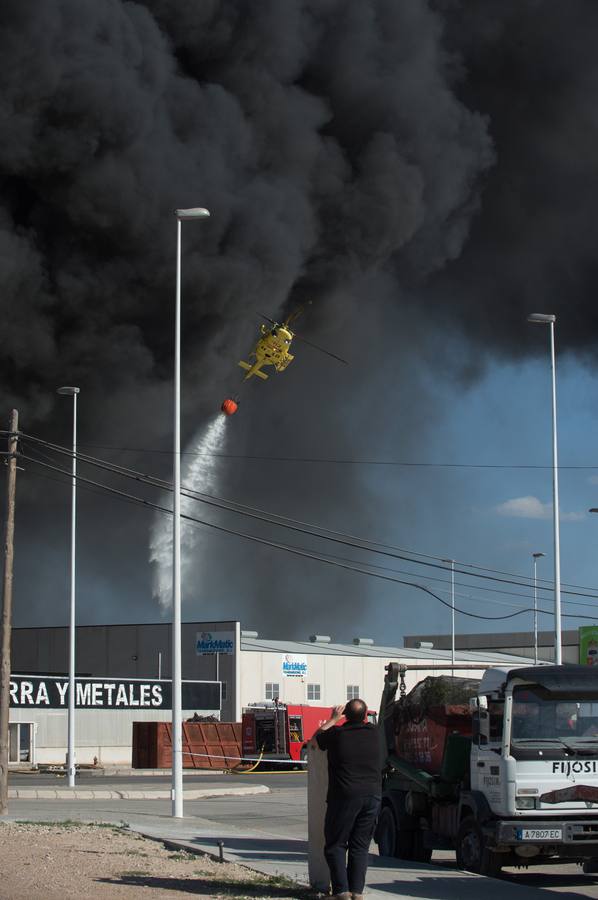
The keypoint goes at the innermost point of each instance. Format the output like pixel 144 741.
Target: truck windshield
pixel 538 715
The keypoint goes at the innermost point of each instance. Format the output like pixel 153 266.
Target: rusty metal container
pixel 206 745
pixel 422 741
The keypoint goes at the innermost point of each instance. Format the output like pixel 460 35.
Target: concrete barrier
pixel 317 786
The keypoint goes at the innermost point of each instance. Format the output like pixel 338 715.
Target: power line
pixel 304 527
pixel 342 462
pixel 273 544
pixel 476 599
pixel 298 551
pixel 336 461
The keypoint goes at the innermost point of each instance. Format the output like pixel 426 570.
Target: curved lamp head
pixel 538 555
pixel 541 319
pixel 196 212
pixel 68 391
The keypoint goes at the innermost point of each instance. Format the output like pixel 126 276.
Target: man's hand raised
pixel 338 712
pixel 335 717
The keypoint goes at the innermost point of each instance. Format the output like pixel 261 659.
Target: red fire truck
pixel 275 730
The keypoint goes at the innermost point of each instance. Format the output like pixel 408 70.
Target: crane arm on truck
pixel 387 705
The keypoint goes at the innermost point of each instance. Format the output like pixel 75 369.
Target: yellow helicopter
pixel 273 348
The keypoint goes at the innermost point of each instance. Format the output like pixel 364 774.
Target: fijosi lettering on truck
pixel 575 767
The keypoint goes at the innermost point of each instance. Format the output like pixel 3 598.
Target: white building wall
pixel 333 672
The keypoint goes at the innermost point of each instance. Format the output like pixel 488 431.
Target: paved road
pixel 94 781
pixel 566 881
pixel 283 811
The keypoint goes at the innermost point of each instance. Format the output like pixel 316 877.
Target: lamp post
pixel 70 759
pixel 452 562
pixel 536 557
pixel 543 319
pixel 182 215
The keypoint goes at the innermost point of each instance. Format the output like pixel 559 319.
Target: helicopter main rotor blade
pixel 302 339
pixel 268 319
pixel 321 349
pixel 292 317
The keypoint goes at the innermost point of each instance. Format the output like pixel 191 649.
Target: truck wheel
pixel 386 832
pixel 472 853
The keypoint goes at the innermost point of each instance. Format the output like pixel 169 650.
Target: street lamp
pixel 543 319
pixel 536 557
pixel 182 215
pixel 70 759
pixel 452 562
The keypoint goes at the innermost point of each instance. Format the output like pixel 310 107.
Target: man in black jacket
pixel 354 791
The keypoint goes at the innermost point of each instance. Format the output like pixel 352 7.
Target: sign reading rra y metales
pixel 40 691
pixel 588 645
pixel 207 643
pixel 294 666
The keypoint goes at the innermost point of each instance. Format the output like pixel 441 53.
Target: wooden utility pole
pixel 11 486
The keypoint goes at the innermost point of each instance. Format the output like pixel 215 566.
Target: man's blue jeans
pixel 348 829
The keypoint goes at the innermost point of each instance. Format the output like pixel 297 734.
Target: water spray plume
pixel 201 475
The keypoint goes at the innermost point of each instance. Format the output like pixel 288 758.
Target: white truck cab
pixel 517 781
pixel 534 755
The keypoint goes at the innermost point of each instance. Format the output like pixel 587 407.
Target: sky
pixel 416 179
pixel 499 517
pixel 491 517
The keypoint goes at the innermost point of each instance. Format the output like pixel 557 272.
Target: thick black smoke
pixel 414 155
pixel 326 139
pixel 530 67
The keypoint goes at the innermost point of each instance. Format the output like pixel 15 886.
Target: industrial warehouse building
pixel 123 674
pixel 518 643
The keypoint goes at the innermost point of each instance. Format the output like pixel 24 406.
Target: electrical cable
pixel 372 565
pixel 459 594
pixel 346 462
pixel 302 552
pixel 302 527
pixel 331 460
pixel 468 596
pixel 98 492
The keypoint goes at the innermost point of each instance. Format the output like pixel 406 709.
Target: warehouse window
pixel 352 691
pixel 313 692
pixel 272 690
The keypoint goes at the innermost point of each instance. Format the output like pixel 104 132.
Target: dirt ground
pixel 57 861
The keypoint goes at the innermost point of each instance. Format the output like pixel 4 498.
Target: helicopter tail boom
pixel 252 370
